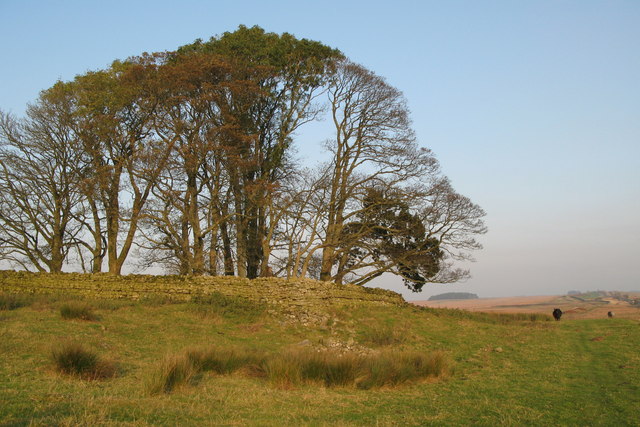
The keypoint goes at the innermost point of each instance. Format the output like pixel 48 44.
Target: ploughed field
pixel 144 350
pixel 573 307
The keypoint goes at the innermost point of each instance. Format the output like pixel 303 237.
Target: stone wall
pixel 299 297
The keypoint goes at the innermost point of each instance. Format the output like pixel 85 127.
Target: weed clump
pixel 296 366
pixel 72 358
pixel 224 360
pixel 332 369
pixel 77 310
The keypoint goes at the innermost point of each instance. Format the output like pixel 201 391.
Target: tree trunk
pixel 194 221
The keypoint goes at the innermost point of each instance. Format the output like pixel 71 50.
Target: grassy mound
pixel 301 299
pixel 209 351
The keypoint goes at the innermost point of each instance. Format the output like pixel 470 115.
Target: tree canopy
pixel 185 160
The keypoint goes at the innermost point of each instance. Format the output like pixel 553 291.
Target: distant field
pixel 573 307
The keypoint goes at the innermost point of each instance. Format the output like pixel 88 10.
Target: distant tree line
pixel 453 295
pixel 186 159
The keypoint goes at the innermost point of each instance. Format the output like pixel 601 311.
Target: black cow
pixel 557 313
pixel 610 314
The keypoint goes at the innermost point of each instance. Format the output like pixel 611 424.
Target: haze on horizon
pixel 533 109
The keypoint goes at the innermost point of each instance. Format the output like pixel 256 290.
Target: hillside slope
pixel 504 369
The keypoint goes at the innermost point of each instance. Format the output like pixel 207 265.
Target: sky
pixel 531 107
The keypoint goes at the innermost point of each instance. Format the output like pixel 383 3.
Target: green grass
pixel 495 318
pixel 450 367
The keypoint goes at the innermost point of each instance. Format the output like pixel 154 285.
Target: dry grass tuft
pixel 173 371
pixel 176 370
pixel 297 366
pixel 224 360
pixel 13 301
pixel 392 368
pixel 72 358
pixel 332 369
pixel 384 335
pixel 77 310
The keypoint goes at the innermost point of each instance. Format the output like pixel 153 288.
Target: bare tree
pixel 181 217
pixel 454 221
pixel 120 149
pixel 374 145
pixel 39 194
pixel 388 209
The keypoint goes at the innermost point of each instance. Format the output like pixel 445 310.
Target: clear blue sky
pixel 532 107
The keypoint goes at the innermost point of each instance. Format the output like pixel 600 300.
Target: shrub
pixel 77 310
pixel 72 358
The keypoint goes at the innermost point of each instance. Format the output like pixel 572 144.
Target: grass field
pixel 500 369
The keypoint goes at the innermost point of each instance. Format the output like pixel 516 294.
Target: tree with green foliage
pixel 385 237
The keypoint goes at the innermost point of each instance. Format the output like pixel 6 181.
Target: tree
pixel 387 237
pixel 302 224
pixel 184 211
pixel 39 193
pixel 188 156
pixel 258 124
pixel 454 221
pixel 120 149
pixel 374 146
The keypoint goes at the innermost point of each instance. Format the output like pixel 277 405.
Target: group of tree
pixel 187 158
pixel 453 295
